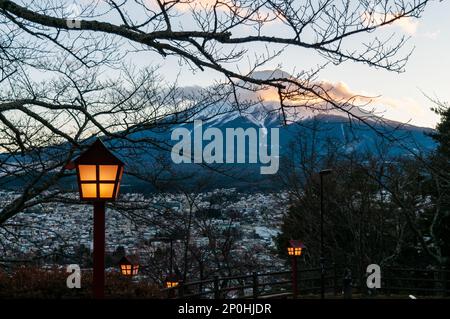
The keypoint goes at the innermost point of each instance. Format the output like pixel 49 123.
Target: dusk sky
pixel 395 96
pixel 401 95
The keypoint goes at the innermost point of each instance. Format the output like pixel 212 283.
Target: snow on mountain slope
pixel 264 105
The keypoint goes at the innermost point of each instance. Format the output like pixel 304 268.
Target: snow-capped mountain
pixel 310 124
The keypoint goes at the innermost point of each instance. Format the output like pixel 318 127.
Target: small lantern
pixel 129 266
pixel 171 281
pixel 295 248
pixel 99 173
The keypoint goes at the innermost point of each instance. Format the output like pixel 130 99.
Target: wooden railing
pixel 278 284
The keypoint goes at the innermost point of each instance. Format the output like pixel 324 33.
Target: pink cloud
pixel 407 24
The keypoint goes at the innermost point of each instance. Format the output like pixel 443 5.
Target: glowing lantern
pixel 129 266
pixel 171 281
pixel 99 173
pixel 295 248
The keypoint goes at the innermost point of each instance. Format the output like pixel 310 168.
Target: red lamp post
pixel 295 250
pixel 99 174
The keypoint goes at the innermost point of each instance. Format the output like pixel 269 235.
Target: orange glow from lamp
pixel 129 266
pixel 99 173
pixel 171 281
pixel 295 248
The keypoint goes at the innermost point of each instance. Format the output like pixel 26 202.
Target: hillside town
pixel 62 227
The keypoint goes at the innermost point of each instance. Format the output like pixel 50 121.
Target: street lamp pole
pixel 99 250
pixel 322 258
pixel 294 250
pixel 171 280
pixel 99 173
pixel 294 277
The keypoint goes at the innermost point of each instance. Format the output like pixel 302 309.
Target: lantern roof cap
pixel 98 153
pixel 129 260
pixel 296 244
pixel 172 277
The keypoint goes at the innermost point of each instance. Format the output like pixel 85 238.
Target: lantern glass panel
pixel 87 172
pixel 89 190
pixel 108 172
pixel 126 269
pixel 106 190
pixel 171 284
